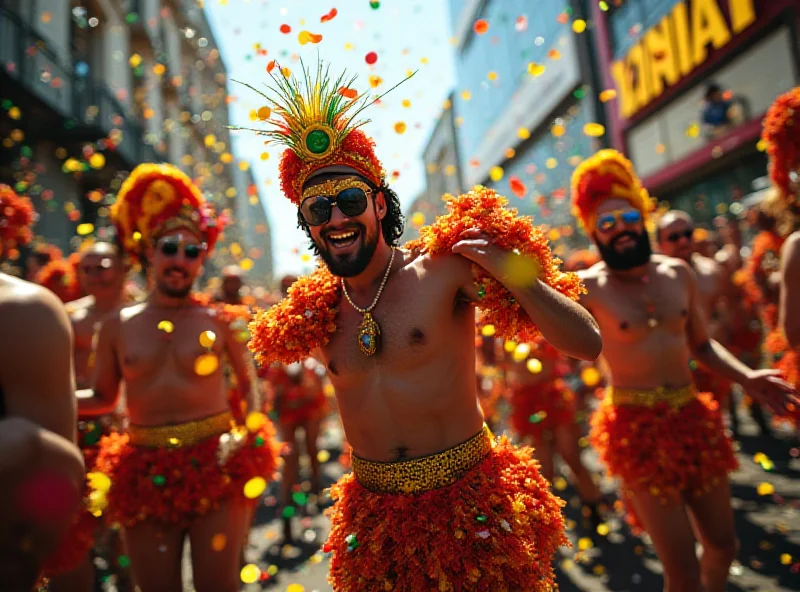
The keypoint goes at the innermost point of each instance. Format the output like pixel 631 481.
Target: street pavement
pixel 766 500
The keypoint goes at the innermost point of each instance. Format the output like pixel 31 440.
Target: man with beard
pixel 183 469
pixel 41 469
pixel 434 502
pixel 654 431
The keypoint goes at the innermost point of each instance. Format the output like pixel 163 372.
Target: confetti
pixel 765 489
pixel 84 229
pixel 558 130
pixel 786 559
pixel 400 127
pixel 535 69
pixel 554 54
pixel 590 376
pixel 375 81
pixel 329 17
pixel 348 93
pixel 608 95
pixel 496 173
pixel 579 25
pixel 166 326
pixel 534 366
pixel 254 487
pixel 517 187
pixel 488 330
pixel 270 66
pixel 285 29
pixel 97 161
pixel 551 163
pixel 218 541
pixel 594 130
pixel 374 4
pixel 323 456
pixel 521 24
pixel 602 529
pixel 585 543
pixel 492 76
pixel 305 37
pixel 206 364
pixel 480 27
pixel 406 103
pixel 250 574
pixel 255 420
pixel 295 588
pixel 98 481
pixel 371 58
pixel 417 219
pixel 693 131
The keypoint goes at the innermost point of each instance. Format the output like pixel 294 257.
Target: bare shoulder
pixel 441 265
pixel 29 306
pixel 78 309
pixel 129 313
pixel 594 279
pixel 791 248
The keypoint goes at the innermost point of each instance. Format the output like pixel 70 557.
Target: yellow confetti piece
pixel 135 60
pixel 243 165
pixel 323 456
pixel 417 219
pixel 492 76
pixel 159 69
pixel 510 346
pixel 693 131
pixel 375 81
pixel 488 331
pixel 579 25
pixel 305 37
pixel 594 130
pixel 560 483
pixel 254 487
pixel 786 559
pixel 660 148
pixel 522 351
pixel 534 366
pixel 246 264
pixel 466 95
pixel 590 376
pixel 585 543
pixel 551 163
pixel 98 481
pixel 85 228
pixel 602 529
pixel 206 364
pixel 535 69
pixel 761 146
pixel 305 257
pixel 598 570
pixel 295 588
pixel 521 270
pixel 255 420
pixel 272 570
pixel 558 130
pixel 218 541
pixel 97 502
pixel 406 103
pixel 400 127
pixel 166 326
pixel 496 173
pixel 523 134
pixel 765 489
pixel 250 574
pixel 14 113
pixel 264 156
pixel 97 161
pixel 207 338
pixel 608 95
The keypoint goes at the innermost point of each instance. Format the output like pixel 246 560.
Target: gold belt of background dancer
pixel 426 473
pixel 182 434
pixel 674 397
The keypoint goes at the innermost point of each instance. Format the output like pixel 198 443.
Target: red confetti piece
pixel 480 26
pixel 371 58
pixel 270 66
pixel 286 29
pixel 348 93
pixel 329 17
pixel 308 37
pixel 517 187
pixel 563 18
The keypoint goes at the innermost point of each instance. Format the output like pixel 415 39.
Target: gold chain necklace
pixel 369 331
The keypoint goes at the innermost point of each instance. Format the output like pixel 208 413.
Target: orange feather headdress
pixel 16 217
pixel 316 120
pixel 781 134
pixel 606 175
pixel 156 198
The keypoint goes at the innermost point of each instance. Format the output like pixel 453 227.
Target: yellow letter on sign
pixel 708 26
pixel 663 62
pixel 622 76
pixel 743 14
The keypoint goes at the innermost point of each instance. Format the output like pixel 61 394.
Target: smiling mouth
pixel 343 239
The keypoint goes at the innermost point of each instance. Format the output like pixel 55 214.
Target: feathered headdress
pixel 316 119
pixel 156 198
pixel 16 217
pixel 60 277
pixel 781 134
pixel 606 175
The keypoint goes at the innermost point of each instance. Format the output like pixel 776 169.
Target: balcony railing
pixel 87 106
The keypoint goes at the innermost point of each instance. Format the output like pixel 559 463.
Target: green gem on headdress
pixel 318 142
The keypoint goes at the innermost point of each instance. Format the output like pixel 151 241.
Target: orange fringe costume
pixel 16 218
pixel 669 441
pixel 61 278
pixel 707 381
pixel 295 407
pixel 169 475
pixel 764 260
pixel 475 517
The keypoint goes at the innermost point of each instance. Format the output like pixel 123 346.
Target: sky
pixel 407 35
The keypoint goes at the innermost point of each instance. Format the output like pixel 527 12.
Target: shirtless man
pixel 181 469
pixel 232 284
pixel 405 377
pixel 664 442
pixel 38 458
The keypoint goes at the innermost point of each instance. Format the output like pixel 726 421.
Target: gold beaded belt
pixel 674 397
pixel 181 434
pixel 426 473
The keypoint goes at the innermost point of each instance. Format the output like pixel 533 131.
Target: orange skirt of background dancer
pixel 707 381
pixel 539 408
pixel 670 442
pixel 477 517
pixel 172 474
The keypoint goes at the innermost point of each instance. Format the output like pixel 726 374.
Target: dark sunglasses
pixel 171 248
pixel 607 222
pixel 674 237
pixel 351 201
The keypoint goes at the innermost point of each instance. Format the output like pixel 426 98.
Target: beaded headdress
pixel 781 135
pixel 316 119
pixel 606 175
pixel 156 198
pixel 16 218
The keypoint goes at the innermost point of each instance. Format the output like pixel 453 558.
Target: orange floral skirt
pixel 672 451
pixel 179 480
pixel 710 382
pixel 539 408
pixel 301 411
pixel 496 527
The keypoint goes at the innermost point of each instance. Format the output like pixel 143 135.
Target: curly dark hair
pixel 392 224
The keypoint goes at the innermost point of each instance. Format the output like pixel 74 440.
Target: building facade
pixel 523 102
pixel 89 90
pixel 694 79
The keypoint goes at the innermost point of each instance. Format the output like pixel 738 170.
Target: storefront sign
pixel 675 47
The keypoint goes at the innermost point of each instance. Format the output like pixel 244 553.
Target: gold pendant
pixel 369 335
